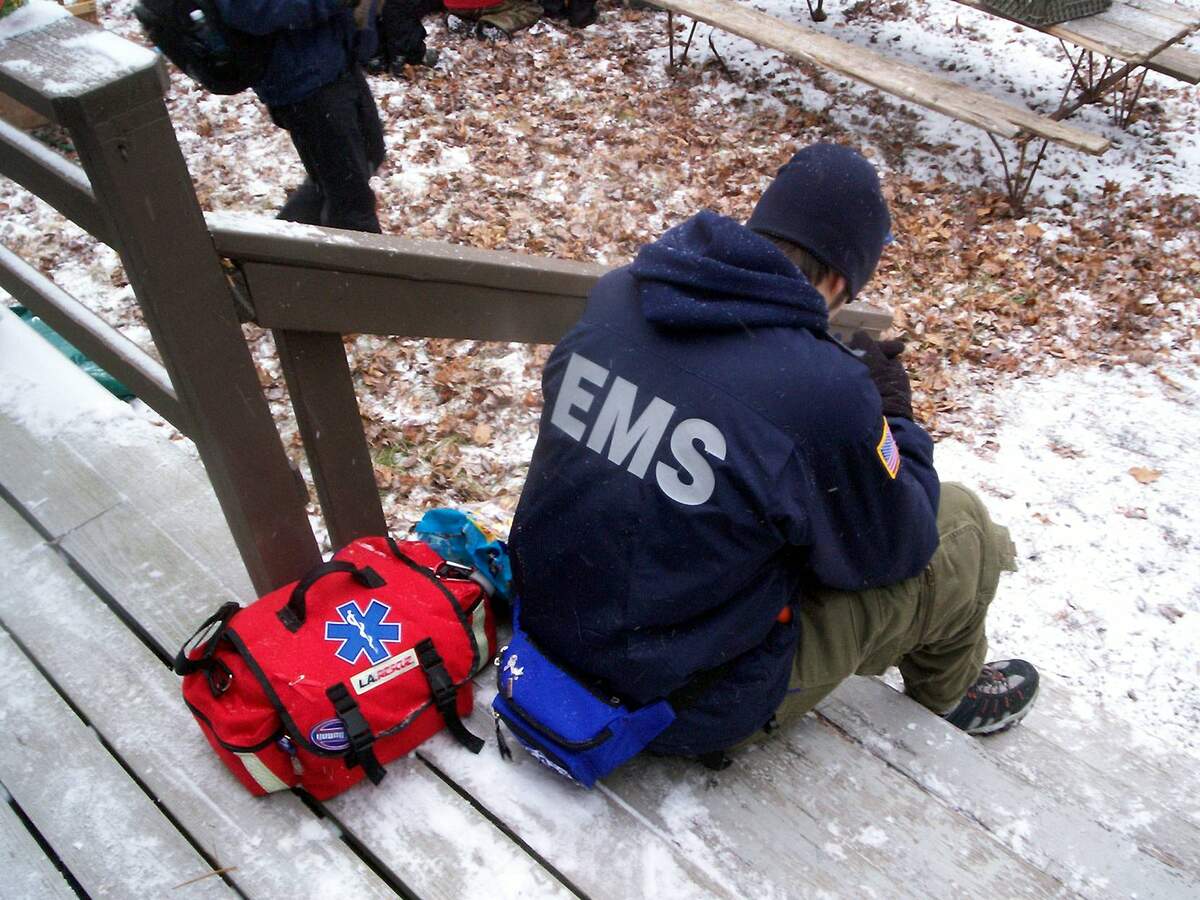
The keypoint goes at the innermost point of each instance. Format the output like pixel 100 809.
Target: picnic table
pixel 1129 39
pixel 997 118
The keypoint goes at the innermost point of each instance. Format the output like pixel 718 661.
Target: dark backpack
pixel 193 36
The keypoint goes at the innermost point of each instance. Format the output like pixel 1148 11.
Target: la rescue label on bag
pixel 324 681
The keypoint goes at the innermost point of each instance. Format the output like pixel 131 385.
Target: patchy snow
pixel 1077 372
pixel 33 15
pixel 1094 474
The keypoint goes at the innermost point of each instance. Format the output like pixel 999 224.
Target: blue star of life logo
pixel 362 631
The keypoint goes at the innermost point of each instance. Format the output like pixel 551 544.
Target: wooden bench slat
pixel 1176 12
pixel 1062 839
pixel 107 832
pixel 27 870
pixel 1138 21
pixel 905 81
pixel 1122 32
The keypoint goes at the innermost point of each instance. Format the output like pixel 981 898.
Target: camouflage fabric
pixel 512 15
pixel 8 6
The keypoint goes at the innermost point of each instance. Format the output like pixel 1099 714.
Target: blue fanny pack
pixel 562 722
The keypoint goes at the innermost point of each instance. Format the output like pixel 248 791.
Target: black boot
pixel 582 13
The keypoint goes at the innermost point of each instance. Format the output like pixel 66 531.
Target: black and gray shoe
pixel 999 698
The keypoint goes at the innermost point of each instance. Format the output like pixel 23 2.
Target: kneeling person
pixel 729 509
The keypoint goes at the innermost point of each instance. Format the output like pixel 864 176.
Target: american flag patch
pixel 889 453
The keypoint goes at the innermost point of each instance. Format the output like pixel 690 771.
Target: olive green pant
pixel 931 626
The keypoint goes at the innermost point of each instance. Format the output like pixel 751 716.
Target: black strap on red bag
pixel 216 673
pixel 293 613
pixel 445 694
pixel 358 732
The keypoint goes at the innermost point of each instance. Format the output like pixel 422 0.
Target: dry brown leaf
pixel 482 434
pixel 1144 475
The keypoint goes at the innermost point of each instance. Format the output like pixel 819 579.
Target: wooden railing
pixel 307 285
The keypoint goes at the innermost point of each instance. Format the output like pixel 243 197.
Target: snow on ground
pixel 1053 354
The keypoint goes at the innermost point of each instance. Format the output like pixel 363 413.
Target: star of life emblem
pixel 362 631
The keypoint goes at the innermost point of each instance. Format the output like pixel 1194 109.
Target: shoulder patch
pixel 889 452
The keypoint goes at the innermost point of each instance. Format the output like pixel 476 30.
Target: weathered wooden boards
pixel 1142 32
pixel 875 797
pixel 1056 811
pixel 141 554
pixel 905 81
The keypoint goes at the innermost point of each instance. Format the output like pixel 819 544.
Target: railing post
pixel 128 148
pixel 322 392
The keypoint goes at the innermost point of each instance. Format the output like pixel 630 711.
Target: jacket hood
pixel 711 273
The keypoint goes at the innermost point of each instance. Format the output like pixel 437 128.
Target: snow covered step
pixel 1108 758
pixel 27 871
pixel 155 560
pixel 132 700
pixel 803 814
pixel 1056 831
pixel 97 820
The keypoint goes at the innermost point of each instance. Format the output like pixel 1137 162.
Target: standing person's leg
pixel 305 202
pixel 405 34
pixel 328 131
pixel 931 625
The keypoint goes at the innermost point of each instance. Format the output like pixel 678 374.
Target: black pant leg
pixel 369 123
pixel 337 141
pixel 403 32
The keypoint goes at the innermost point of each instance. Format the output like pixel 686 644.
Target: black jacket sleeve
pixel 861 494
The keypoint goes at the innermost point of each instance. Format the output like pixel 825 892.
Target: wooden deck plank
pixel 27 871
pixel 1061 839
pixel 905 81
pixel 106 831
pixel 1082 730
pixel 156 736
pixel 803 814
pixel 162 582
pixel 39 475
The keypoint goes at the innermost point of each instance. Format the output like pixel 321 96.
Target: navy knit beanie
pixel 827 200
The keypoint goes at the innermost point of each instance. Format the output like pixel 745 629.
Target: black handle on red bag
pixel 184 665
pixel 293 613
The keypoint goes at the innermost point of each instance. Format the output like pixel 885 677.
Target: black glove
pixel 886 370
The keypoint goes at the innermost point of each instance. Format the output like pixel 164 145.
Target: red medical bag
pixel 325 680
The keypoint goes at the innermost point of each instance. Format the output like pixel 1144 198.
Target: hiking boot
pixel 999 698
pixel 581 15
pixel 428 59
pixel 377 64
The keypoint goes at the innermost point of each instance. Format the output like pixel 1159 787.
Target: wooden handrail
pixel 54 179
pixel 115 353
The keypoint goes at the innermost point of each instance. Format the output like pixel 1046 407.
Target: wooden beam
pixel 256 239
pixel 298 299
pixel 905 81
pixel 322 392
pixel 128 148
pixel 111 350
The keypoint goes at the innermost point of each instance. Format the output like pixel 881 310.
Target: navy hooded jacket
pixel 704 450
pixel 314 44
